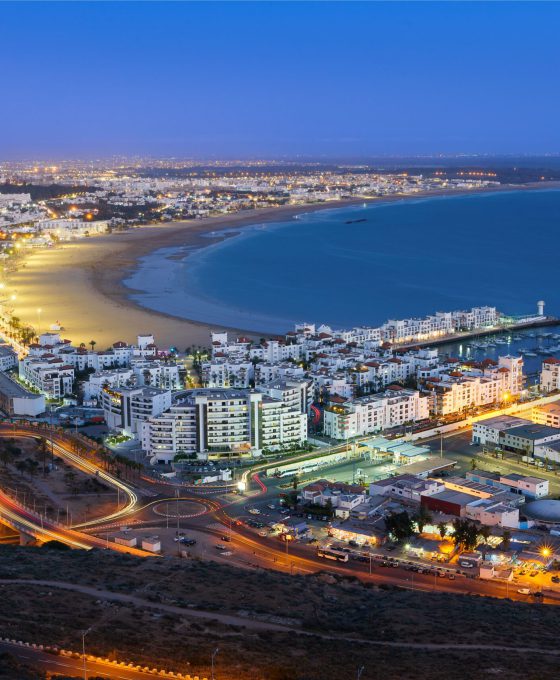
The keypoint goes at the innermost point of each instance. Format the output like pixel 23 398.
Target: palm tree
pixel 43 449
pixel 92 343
pixel 484 532
pixel 442 528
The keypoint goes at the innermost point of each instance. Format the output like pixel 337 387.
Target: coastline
pixel 80 283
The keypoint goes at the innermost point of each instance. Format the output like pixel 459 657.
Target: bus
pixel 332 554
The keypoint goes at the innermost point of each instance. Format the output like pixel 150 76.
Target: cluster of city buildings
pixel 262 396
pixel 135 192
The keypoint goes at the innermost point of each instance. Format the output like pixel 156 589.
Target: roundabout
pixel 179 508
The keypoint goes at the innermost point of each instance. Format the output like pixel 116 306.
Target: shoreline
pixel 88 275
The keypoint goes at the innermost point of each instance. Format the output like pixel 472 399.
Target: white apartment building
pixel 296 395
pixel 8 358
pixel 50 375
pixel 214 422
pixel 126 408
pixel 365 415
pixel 112 378
pixel 550 375
pixel 222 372
pixel 459 390
pixel 155 373
pixel 266 372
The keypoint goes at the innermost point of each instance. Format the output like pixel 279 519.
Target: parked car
pixel 524 591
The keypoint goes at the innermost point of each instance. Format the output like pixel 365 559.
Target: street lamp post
pixel 212 662
pixel 84 633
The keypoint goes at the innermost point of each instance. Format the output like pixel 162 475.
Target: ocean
pixel 362 265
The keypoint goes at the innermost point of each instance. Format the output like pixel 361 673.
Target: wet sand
pixel 79 284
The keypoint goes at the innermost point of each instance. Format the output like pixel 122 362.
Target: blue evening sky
pixel 269 79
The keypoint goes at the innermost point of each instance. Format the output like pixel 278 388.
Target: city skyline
pixel 271 80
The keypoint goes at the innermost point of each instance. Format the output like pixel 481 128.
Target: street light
pixel 213 655
pixel 84 633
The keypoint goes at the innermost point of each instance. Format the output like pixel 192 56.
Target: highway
pixel 28 522
pixel 73 665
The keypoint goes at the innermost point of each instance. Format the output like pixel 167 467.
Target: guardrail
pixel 51 649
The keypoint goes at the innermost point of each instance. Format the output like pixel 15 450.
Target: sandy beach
pixel 79 284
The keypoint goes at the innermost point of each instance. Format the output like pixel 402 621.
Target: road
pixel 67 665
pixel 26 521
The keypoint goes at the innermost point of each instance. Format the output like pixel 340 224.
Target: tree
pixel 92 343
pixel 422 518
pixel 43 448
pixel 31 466
pixel 473 463
pixel 400 524
pixel 484 532
pixel 465 534
pixel 329 508
pixel 295 482
pixel 5 455
pixel 442 528
pixel 70 479
pixel 506 539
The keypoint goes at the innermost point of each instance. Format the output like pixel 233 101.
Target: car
pixel 220 546
pixel 263 533
pixel 254 511
pixel 524 591
pixel 555 579
pixel 188 541
pixel 450 576
pixel 227 539
pixel 533 574
pixel 271 506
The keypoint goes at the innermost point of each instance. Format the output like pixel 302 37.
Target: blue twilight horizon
pixel 272 79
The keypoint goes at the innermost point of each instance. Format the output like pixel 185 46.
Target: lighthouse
pixel 540 307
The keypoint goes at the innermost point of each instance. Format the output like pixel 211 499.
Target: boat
pixel 363 219
pixel 530 354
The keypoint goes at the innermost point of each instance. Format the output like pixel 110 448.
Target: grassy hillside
pixel 332 623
